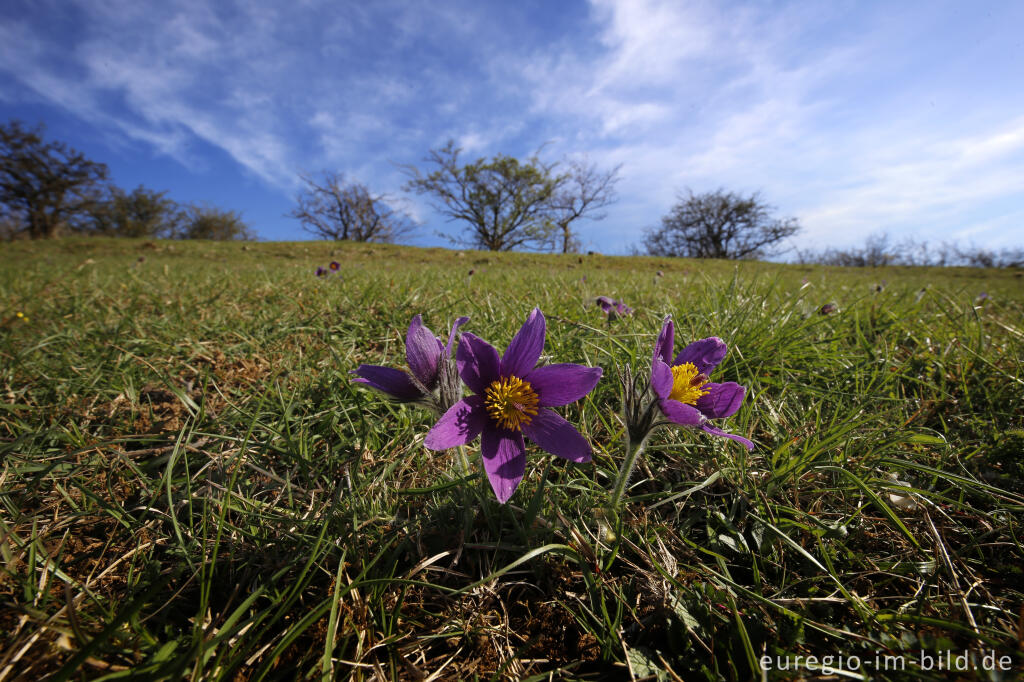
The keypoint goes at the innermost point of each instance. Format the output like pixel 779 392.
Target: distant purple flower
pixel 828 309
pixel 982 297
pixel 335 266
pixel 427 356
pixel 511 400
pixel 613 308
pixel 320 272
pixel 685 393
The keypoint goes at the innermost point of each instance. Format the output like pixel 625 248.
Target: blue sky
pixel 855 117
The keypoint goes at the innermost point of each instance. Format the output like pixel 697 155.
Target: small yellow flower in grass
pixel 21 316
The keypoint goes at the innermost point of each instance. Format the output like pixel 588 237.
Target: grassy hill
pixel 193 487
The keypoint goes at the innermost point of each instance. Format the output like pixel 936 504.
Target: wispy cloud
pixel 927 186
pixel 753 99
pixel 853 118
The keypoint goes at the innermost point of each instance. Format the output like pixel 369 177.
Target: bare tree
pixel 507 203
pixel 332 208
pixel 47 185
pixel 504 202
pixel 582 193
pixel 719 224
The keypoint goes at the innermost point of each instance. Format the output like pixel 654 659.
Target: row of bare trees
pixel 879 250
pixel 48 189
pixel 503 203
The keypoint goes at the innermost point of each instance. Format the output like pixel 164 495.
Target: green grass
pixel 193 488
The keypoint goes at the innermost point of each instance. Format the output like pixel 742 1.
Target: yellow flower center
pixel 511 402
pixel 687 383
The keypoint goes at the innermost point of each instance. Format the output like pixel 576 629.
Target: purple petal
pixel 605 303
pixel 459 425
pixel 661 378
pixel 681 413
pixel 557 436
pixel 704 354
pixel 477 361
pixel 563 383
pixel 522 354
pixel 666 339
pixel 451 335
pixel 504 455
pixel 623 309
pixel 422 352
pixel 715 431
pixel 394 382
pixel 722 400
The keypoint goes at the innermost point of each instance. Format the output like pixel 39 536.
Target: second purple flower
pixel 429 363
pixel 511 400
pixel 613 308
pixel 685 393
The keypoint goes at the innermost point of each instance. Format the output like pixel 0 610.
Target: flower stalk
pixel 633 451
pixel 639 415
pixel 464 461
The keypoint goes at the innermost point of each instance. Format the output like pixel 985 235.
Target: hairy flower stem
pixel 633 450
pixel 463 461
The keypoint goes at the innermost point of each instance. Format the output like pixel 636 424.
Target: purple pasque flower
pixel 613 308
pixel 511 400
pixel 685 393
pixel 430 369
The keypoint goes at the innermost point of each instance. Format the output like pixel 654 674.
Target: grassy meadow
pixel 192 487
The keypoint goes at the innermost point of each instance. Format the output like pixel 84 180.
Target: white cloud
pixel 925 186
pixel 756 99
pixel 472 142
pixel 179 69
pixel 825 108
